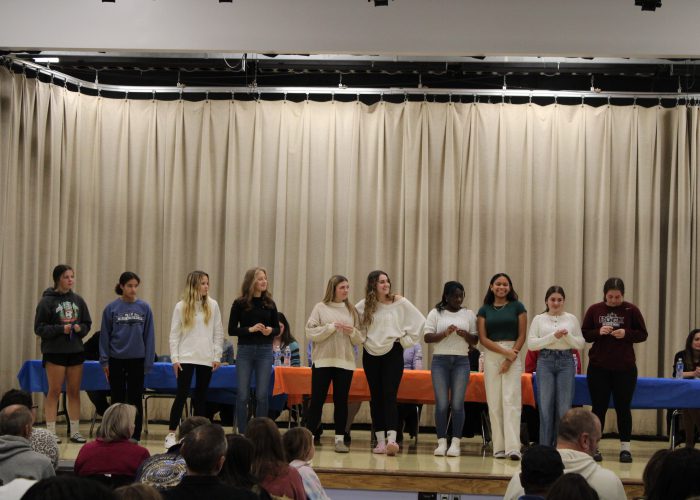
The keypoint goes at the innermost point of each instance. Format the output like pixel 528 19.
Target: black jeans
pixel 621 384
pixel 126 382
pixel 383 377
pixel 321 379
pixel 199 397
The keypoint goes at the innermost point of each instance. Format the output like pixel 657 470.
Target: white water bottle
pixel 482 356
pixel 679 368
pixel 287 356
pixel 276 355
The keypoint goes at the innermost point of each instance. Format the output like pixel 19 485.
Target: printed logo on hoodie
pixel 67 312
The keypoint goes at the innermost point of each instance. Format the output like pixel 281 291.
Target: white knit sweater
pixel 330 347
pixel 399 320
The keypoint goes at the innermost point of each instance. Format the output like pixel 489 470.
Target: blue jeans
pixel 450 374
pixel 556 370
pixel 258 359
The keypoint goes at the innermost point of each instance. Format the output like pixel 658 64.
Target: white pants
pixel 504 397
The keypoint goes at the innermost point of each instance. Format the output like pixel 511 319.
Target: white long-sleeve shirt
pixel 330 347
pixel 543 326
pixel 203 343
pixel 399 320
pixel 439 321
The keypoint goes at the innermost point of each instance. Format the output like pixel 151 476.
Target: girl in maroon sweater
pixel 613 326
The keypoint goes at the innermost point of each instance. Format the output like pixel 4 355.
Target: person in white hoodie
pixel 333 333
pixel 577 440
pixel 196 344
pixel 392 323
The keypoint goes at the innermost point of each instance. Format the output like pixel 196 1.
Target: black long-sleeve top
pixel 242 318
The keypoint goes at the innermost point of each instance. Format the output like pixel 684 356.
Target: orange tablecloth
pixel 416 386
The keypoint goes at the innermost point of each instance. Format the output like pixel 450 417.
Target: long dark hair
pixel 614 284
pixel 239 461
pixel 286 337
pixel 248 289
pixel 371 299
pixel 489 298
pixel 553 289
pixel 268 454
pixel 125 277
pixel 688 356
pixel 447 290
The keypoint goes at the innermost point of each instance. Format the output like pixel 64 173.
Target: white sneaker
pixel 170 440
pixel 454 448
pixel 441 448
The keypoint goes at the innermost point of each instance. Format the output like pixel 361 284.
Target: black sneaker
pixel 625 457
pixel 346 438
pixel 76 437
pixel 597 456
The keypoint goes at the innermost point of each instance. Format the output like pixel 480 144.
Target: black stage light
pixel 650 5
pixel 380 3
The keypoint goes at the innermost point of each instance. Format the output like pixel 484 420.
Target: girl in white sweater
pixel 196 343
pixel 332 331
pixel 392 323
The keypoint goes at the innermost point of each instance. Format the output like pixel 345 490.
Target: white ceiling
pixel 608 28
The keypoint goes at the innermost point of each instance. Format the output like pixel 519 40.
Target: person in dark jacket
pixel 62 320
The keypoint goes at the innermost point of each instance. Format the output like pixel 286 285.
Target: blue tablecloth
pixel 650 393
pixel 222 388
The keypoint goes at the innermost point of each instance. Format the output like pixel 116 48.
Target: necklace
pixel 498 308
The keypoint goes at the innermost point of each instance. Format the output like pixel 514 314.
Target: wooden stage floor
pixel 415 468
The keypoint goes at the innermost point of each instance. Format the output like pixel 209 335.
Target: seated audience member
pixel 678 477
pixel 408 412
pixel 690 361
pixel 17 459
pixel 137 491
pixel 299 449
pixel 204 451
pixel 542 466
pixel 577 440
pixel 42 441
pixel 237 467
pixel 652 469
pixel 269 463
pixel 112 453
pixel 68 488
pixel 572 486
pixel 166 470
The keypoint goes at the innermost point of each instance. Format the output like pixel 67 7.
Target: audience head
pixel 204 450
pixel 17 397
pixel 298 444
pixel 579 429
pixel 692 345
pixel 268 455
pixel 652 469
pixel 541 466
pixel 285 334
pixel 16 420
pixel 678 477
pixel 189 424
pixel 572 486
pixel 137 491
pixel 239 462
pixel 117 423
pixel 68 488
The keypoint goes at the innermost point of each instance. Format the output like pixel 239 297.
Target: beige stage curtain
pixel 428 192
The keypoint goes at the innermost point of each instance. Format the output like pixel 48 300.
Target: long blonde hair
pixel 248 289
pixel 191 297
pixel 371 300
pixel 330 296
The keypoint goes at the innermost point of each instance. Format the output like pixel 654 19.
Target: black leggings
pixel 126 380
pixel 199 397
pixel 383 377
pixel 621 384
pixel 321 379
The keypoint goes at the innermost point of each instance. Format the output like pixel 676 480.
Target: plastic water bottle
pixel 482 356
pixel 679 368
pixel 575 356
pixel 287 356
pixel 276 355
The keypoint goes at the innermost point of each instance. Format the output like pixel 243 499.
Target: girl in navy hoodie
pixel 127 345
pixel 62 320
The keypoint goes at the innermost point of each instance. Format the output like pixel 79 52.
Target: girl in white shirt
pixel 555 333
pixel 196 344
pixel 392 323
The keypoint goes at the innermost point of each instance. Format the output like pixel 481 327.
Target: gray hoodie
pixel 18 460
pixel 604 481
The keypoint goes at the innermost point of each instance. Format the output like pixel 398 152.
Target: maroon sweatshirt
pixel 607 351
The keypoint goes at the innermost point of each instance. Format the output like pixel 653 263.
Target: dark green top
pixel 502 323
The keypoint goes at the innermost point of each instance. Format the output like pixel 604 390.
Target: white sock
pixel 391 436
pixel 51 427
pixel 339 438
pixel 380 437
pixel 74 426
pixel 625 446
